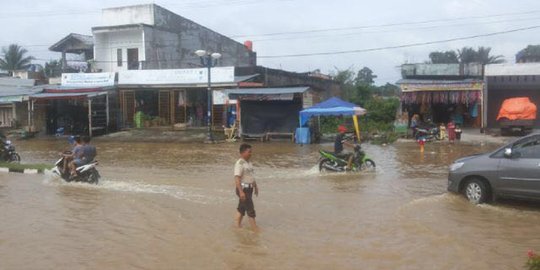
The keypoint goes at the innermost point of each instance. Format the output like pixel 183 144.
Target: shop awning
pixel 332 106
pixel 83 95
pixel 411 85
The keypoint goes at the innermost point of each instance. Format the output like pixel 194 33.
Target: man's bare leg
pixel 253 223
pixel 238 219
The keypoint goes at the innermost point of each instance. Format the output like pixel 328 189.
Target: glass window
pixel 119 57
pixel 528 148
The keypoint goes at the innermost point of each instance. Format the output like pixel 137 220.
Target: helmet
pixel 71 139
pixel 342 128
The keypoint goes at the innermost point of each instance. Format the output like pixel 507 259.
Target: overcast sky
pixel 39 24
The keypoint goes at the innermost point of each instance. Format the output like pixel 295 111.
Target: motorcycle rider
pixel 86 155
pixel 339 151
pixel 75 151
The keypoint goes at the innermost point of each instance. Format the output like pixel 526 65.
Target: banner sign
pixel 175 76
pixel 87 79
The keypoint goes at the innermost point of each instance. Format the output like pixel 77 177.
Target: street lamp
pixel 209 60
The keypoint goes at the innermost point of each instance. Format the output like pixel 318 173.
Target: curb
pixel 24 171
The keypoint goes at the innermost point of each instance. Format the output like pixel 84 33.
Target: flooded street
pixel 171 206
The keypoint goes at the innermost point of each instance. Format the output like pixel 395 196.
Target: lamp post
pixel 209 60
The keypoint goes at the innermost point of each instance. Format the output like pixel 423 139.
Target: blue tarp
pixel 332 106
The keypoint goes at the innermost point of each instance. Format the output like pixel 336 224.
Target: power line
pixel 401 46
pixel 384 25
pixel 391 31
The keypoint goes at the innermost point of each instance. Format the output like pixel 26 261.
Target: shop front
pixel 157 98
pixel 267 112
pixel 441 101
pixel 85 104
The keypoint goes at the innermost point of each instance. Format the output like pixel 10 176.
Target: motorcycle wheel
pixel 14 158
pixel 368 165
pixel 93 178
pixel 323 162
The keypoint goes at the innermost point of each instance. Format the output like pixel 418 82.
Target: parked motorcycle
pixel 9 154
pixel 337 163
pixel 85 173
pixel 428 133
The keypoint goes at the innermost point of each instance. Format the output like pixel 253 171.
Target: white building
pixel 151 37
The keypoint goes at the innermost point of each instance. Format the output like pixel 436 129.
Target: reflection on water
pixel 166 205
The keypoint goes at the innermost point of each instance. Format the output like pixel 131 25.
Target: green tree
pixel 447 57
pixel 53 69
pixel 14 58
pixel 529 54
pixel 365 77
pixel 346 78
pixel 482 55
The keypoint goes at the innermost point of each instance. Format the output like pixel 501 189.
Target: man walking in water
pixel 245 187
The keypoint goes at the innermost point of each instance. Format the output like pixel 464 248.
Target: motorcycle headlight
pixel 456 166
pixel 8 142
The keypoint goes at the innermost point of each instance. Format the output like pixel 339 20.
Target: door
pixel 520 174
pixel 133 58
pixel 128 107
pixel 164 107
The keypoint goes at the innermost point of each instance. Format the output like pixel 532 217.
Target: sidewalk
pixel 473 136
pixel 191 135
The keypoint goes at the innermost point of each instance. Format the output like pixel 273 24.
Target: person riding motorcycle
pixel 85 156
pixel 339 151
pixel 75 152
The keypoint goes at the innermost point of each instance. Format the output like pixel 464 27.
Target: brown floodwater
pixel 171 206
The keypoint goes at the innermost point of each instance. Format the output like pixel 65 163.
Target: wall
pixel 128 15
pixel 107 43
pixel 322 88
pixel 170 41
pixel 441 70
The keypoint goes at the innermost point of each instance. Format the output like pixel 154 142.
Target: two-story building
pixel 159 76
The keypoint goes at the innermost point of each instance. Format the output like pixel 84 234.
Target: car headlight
pixel 456 166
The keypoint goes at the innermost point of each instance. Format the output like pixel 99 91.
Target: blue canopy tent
pixel 333 106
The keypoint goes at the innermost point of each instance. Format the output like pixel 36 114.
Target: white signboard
pixel 88 79
pixel 175 76
pixel 220 97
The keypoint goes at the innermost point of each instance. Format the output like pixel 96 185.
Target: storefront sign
pixel 413 87
pixel 221 97
pixel 88 79
pixel 175 76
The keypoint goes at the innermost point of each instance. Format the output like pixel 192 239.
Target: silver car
pixel 510 171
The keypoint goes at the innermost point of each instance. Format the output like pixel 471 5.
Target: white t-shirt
pixel 244 169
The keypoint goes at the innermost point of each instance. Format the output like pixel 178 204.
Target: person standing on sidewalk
pixel 245 187
pixel 451 130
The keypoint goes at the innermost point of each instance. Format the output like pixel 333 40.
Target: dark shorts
pixel 247 204
pixel 78 162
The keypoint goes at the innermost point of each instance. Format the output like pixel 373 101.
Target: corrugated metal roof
pixel 87 41
pixel 66 95
pixel 267 91
pixel 17 82
pixel 8 91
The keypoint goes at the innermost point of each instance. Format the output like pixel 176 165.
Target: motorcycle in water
pixel 9 154
pixel 86 173
pixel 336 163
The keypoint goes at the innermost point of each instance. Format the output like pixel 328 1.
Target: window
pixel 529 148
pixel 119 57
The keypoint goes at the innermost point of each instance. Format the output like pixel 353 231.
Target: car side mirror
pixel 508 153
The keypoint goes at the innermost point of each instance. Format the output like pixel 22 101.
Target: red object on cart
pixel 520 108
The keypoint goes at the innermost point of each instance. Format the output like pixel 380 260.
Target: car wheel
pixel 476 191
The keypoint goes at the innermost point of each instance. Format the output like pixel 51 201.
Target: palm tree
pixel 484 57
pixel 469 55
pixel 14 58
